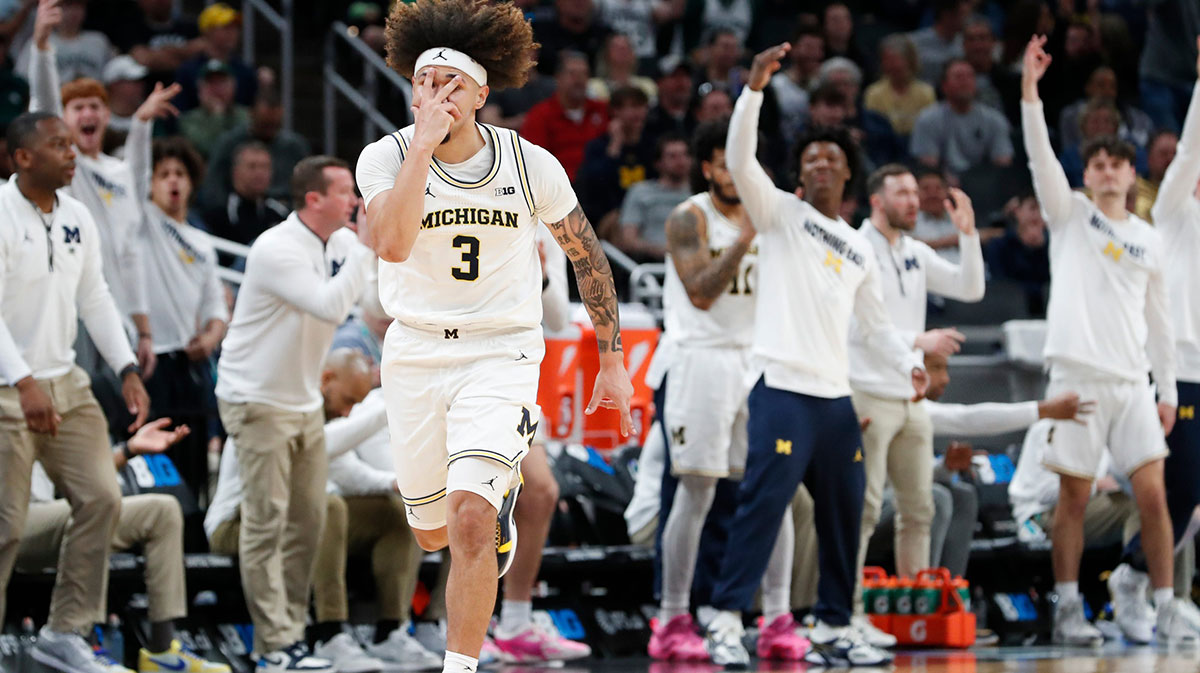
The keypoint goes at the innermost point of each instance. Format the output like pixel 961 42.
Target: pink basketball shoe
pixel 677 640
pixel 779 640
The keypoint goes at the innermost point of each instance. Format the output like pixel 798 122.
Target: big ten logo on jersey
pixel 506 191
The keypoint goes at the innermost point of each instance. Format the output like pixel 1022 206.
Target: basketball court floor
pixel 1111 659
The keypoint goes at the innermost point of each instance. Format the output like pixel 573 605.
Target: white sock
pixel 1163 596
pixel 1067 591
pixel 459 663
pixel 515 615
pixel 681 542
pixel 777 581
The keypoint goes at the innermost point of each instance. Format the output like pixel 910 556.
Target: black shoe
pixel 506 529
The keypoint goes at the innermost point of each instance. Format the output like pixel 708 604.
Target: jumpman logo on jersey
pixel 441 54
pixel 833 261
pixel 1111 250
pixel 490 483
pixel 429 193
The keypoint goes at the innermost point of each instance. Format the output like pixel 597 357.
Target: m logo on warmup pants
pixel 1187 413
pixel 452 334
pixel 783 447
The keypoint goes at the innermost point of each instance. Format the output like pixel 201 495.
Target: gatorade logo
pixel 918 632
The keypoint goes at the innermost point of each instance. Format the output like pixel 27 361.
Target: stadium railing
pixel 363 96
pixel 281 20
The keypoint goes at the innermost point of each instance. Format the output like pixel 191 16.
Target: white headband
pixel 454 59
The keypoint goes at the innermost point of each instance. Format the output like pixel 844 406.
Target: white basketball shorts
pixel 462 412
pixel 706 411
pixel 1124 421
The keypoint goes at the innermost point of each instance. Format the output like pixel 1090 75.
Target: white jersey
pixel 1176 214
pixel 729 322
pixel 1107 316
pixel 475 262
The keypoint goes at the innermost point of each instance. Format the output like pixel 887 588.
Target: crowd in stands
pixel 620 87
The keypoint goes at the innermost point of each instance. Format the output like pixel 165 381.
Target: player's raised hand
pixel 766 63
pixel 154 437
pixel 49 15
pixel 943 341
pixel 158 104
pixel 961 213
pixel 1035 64
pixel 433 114
pixel 613 390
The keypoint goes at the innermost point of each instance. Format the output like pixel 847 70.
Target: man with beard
pixel 898 444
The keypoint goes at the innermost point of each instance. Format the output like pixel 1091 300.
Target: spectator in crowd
pixel 55 416
pixel 837 30
pixel 670 113
pixel 941 42
pixel 220 29
pixel 792 84
pixel 248 210
pixel 617 160
pixel 898 95
pixel 508 107
pixel 570 25
pixel 188 313
pixel 721 69
pixel 993 87
pixel 1135 125
pixel 217 113
pixel 934 226
pixel 1076 55
pixel 124 79
pixel 1160 152
pixel 713 106
pixel 14 88
pixel 14 23
pixel 958 134
pixel 567 121
pixel 301 279
pixel 702 19
pixel 1022 254
pixel 647 204
pixel 617 69
pixel 870 130
pixel 77 52
pixel 160 38
pixel 151 524
pixel 114 192
pixel 287 148
pixel 639 21
pixel 1098 118
pixel 1167 67
pixel 827 106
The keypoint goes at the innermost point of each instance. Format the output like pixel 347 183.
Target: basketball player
pixel 1108 328
pixel 815 272
pixel 708 307
pixel 452 210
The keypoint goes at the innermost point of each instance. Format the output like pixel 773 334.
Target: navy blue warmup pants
pixel 797 438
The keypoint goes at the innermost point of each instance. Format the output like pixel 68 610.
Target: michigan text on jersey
pixel 452 216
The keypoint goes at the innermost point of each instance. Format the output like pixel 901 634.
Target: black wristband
pixel 131 367
pixel 126 452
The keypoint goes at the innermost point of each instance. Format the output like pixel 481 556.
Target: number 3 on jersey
pixel 470 258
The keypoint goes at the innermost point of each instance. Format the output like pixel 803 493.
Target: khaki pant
pixel 374 525
pixel 1110 518
pixel 79 462
pixel 897 446
pixel 282 462
pixel 152 523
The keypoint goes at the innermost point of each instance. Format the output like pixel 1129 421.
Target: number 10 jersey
pixel 474 265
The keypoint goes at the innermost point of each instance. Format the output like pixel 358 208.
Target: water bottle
pixel 114 639
pixel 26 641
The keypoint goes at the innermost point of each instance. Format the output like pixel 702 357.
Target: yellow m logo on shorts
pixel 783 446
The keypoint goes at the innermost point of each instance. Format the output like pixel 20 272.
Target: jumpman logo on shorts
pixel 441 54
pixel 523 356
pixel 412 513
pixel 489 483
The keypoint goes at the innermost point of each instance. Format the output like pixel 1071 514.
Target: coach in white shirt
pixel 50 277
pixel 898 444
pixel 302 277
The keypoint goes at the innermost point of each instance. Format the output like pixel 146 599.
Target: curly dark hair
pixel 839 136
pixel 180 148
pixel 494 33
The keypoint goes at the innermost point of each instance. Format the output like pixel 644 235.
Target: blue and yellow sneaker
pixel 178 659
pixel 506 528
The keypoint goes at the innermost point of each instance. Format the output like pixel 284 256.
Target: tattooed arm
pixel 704 277
pixel 599 295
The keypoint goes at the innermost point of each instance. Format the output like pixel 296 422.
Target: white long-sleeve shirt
pixel 366 466
pixel 980 420
pixel 185 291
pixel 1176 214
pixel 908 271
pixel 1107 316
pixel 296 292
pixel 113 190
pixel 813 272
pixel 556 305
pixel 51 276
